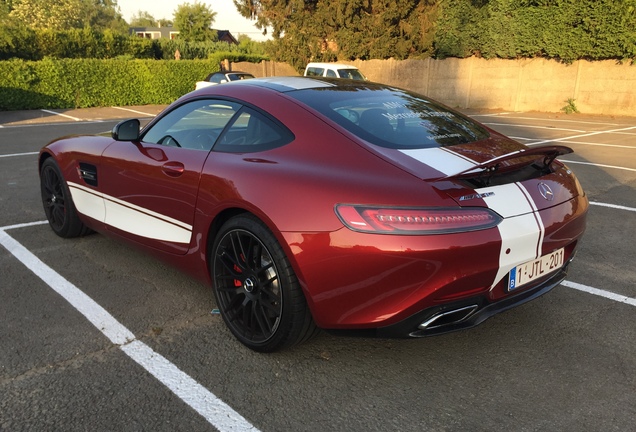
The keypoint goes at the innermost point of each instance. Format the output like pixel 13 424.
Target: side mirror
pixel 127 130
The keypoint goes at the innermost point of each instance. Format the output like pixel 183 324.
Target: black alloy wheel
pixel 256 289
pixel 58 204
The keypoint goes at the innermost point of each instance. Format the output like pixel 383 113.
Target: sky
pixel 227 18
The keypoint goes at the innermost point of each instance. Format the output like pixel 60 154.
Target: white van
pixel 334 70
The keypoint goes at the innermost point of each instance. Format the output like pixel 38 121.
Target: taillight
pixel 416 221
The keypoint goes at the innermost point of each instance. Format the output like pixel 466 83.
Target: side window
pixel 331 73
pixel 193 125
pixel 252 132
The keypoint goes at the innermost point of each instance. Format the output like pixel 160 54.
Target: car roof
pixel 284 84
pixel 230 72
pixel 332 65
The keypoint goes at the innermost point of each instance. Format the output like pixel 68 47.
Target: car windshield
pixel 390 117
pixel 236 76
pixel 353 74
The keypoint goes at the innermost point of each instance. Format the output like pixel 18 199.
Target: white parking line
pixel 571 120
pixel 135 111
pixel 215 411
pixel 601 293
pixel 32 125
pixel 614 206
pixel 535 127
pixel 19 154
pixel 599 145
pixel 61 115
pixel 584 135
pixel 598 165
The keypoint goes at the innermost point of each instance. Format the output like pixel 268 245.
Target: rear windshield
pixel 392 118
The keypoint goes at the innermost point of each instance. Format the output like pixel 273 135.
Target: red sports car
pixel 342 205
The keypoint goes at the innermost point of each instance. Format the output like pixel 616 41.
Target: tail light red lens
pixel 416 221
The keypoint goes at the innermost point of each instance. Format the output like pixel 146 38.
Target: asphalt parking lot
pixel 97 336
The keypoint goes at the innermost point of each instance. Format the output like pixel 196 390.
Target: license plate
pixel 532 270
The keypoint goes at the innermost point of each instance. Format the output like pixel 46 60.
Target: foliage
pixel 566 30
pixel 145 19
pixel 194 22
pixel 65 14
pixel 19 41
pixel 71 83
pixel 249 46
pixel 49 14
pixel 15 39
pixel 570 107
pixel 306 30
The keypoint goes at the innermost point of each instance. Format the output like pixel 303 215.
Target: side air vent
pixel 88 173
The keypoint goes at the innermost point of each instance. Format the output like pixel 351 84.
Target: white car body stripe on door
pixel 129 217
pixel 88 202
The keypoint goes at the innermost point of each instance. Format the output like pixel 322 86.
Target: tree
pixel 5 7
pixel 142 19
pixel 194 22
pixel 104 14
pixel 329 30
pixel 49 14
pixel 16 39
pixel 250 46
pixel 145 19
pixel 65 14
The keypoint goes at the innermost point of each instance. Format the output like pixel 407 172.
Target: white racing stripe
pixel 88 202
pixel 443 160
pixel 521 230
pixel 129 217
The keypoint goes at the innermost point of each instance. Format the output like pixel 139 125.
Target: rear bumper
pixel 462 314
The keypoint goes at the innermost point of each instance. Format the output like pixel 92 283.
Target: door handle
pixel 173 169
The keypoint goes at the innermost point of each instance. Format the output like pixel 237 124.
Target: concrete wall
pixel 602 87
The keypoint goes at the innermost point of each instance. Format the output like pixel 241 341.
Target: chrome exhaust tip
pixel 453 316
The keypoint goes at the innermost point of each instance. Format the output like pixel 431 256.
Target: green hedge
pixel 82 83
pixel 19 42
pixel 566 30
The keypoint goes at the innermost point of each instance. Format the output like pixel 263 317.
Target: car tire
pixel 256 289
pixel 58 204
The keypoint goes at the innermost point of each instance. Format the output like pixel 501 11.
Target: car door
pixel 150 187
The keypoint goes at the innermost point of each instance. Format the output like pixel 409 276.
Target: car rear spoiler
pixel 545 155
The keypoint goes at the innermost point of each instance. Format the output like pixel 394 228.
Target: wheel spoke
pixel 231 289
pixel 57 214
pixel 255 256
pixel 234 307
pixel 230 264
pixel 237 250
pixel 262 319
pixel 272 307
pixel 271 280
